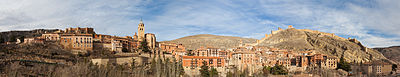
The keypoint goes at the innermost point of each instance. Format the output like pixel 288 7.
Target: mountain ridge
pixel 196 41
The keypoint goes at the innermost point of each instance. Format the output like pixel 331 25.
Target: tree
pixel 279 70
pixel 153 66
pixel 204 70
pixel 125 49
pixel 1 40
pixel 230 74
pixel 276 70
pixel 394 67
pixel 144 47
pixel 213 72
pixel 266 70
pixel 343 65
pixel 133 63
pixel 181 69
pixel 190 53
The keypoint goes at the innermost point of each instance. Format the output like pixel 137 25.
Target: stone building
pixel 197 61
pixel 301 61
pixel 208 51
pixel 77 41
pixel 141 34
pixel 34 40
pixel 79 31
pixel 52 36
pixel 101 41
pixel 151 40
pixel 330 62
pixel 316 59
pixel 115 43
pixel 171 47
pixel 246 61
pixel 324 61
pixel 201 52
pixel 376 68
pixel 148 37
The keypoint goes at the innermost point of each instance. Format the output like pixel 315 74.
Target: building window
pixel 210 61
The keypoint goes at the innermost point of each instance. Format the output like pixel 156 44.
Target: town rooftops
pixel 200 57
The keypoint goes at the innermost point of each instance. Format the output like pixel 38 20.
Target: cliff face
pixel 391 53
pixel 297 39
pixel 13 35
pixel 196 41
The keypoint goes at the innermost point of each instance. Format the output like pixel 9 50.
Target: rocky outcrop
pixel 325 43
pixel 391 53
pixel 196 41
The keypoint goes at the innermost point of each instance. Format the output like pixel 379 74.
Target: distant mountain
pixel 391 53
pixel 13 35
pixel 326 43
pixel 196 41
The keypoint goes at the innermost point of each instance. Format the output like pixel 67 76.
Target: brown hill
pixel 326 43
pixel 391 53
pixel 196 41
pixel 11 36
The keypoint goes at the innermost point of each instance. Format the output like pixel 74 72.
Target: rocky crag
pixel 325 43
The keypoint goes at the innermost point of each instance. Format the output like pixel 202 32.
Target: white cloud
pixel 100 14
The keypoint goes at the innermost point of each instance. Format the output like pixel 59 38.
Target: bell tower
pixel 141 31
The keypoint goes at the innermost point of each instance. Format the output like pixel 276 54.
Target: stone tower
pixel 141 31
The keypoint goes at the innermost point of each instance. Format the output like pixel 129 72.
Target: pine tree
pixel 181 69
pixel 343 64
pixel 204 70
pixel 213 72
pixel 144 47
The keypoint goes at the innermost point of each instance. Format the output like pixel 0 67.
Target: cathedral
pixel 142 36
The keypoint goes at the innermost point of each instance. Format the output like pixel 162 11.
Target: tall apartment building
pixel 77 41
pixel 197 61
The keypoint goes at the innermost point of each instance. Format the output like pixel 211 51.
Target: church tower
pixel 141 31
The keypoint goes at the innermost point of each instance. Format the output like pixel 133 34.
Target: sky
pixel 375 23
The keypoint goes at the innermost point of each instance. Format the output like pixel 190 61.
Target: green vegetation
pixel 213 72
pixel 144 47
pixel 394 67
pixel 125 49
pixel 1 40
pixel 276 70
pixel 205 72
pixel 343 65
pixel 190 53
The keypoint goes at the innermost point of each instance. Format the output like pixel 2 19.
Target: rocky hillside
pixel 13 35
pixel 326 43
pixel 391 53
pixel 48 52
pixel 196 41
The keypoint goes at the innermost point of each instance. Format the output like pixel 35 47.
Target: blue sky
pixel 374 22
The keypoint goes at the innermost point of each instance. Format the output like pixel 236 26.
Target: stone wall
pixel 120 60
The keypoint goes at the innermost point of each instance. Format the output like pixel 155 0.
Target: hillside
pixel 196 41
pixel 13 35
pixel 326 43
pixel 391 53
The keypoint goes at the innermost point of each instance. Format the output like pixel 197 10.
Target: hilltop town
pixel 295 52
